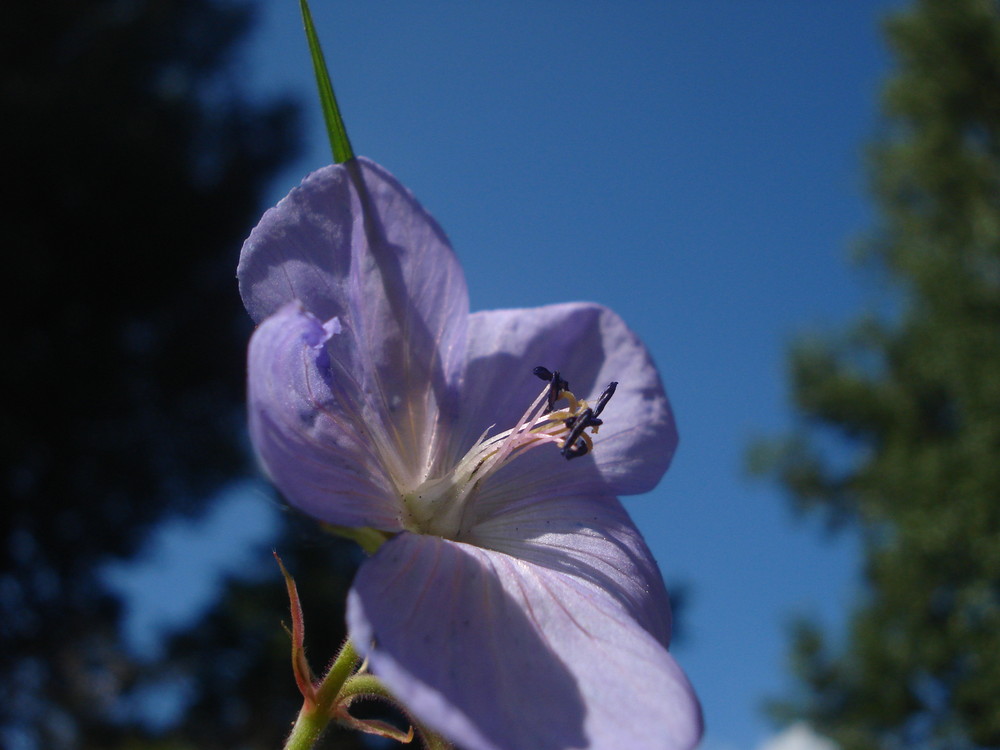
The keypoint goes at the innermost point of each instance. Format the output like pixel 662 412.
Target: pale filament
pixel 437 505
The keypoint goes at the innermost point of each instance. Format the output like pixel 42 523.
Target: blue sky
pixel 698 167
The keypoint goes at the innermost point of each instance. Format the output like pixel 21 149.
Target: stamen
pixel 602 401
pixel 580 448
pixel 543 372
pixel 571 448
pixel 508 439
pixel 438 504
pixel 557 386
pixel 578 443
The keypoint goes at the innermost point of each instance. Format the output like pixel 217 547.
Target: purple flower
pixel 514 605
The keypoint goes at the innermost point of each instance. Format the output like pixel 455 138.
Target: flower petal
pixel 352 243
pixel 498 653
pixel 590 346
pixel 590 537
pixel 309 428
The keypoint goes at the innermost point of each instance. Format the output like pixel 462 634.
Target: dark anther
pixel 579 448
pixel 543 373
pixel 556 385
pixel 571 448
pixel 591 422
pixel 605 397
pixel 576 445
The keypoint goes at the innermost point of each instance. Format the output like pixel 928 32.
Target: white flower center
pixel 438 505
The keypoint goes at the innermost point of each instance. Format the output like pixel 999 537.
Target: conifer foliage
pixel 915 396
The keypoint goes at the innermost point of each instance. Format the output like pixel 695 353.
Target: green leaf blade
pixel 340 144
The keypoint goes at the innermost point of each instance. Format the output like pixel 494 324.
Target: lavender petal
pixel 498 653
pixel 354 244
pixel 308 425
pixel 590 346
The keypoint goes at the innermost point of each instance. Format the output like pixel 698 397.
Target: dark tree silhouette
pixel 133 169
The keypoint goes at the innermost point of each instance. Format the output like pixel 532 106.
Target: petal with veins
pixel 351 242
pixel 589 537
pixel 309 427
pixel 499 653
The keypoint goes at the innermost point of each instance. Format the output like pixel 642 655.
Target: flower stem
pixel 369 686
pixel 315 715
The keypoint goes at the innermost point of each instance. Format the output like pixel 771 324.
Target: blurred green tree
pixel 912 396
pixel 134 167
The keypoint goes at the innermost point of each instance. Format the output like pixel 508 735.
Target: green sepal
pixel 340 144
pixel 367 538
